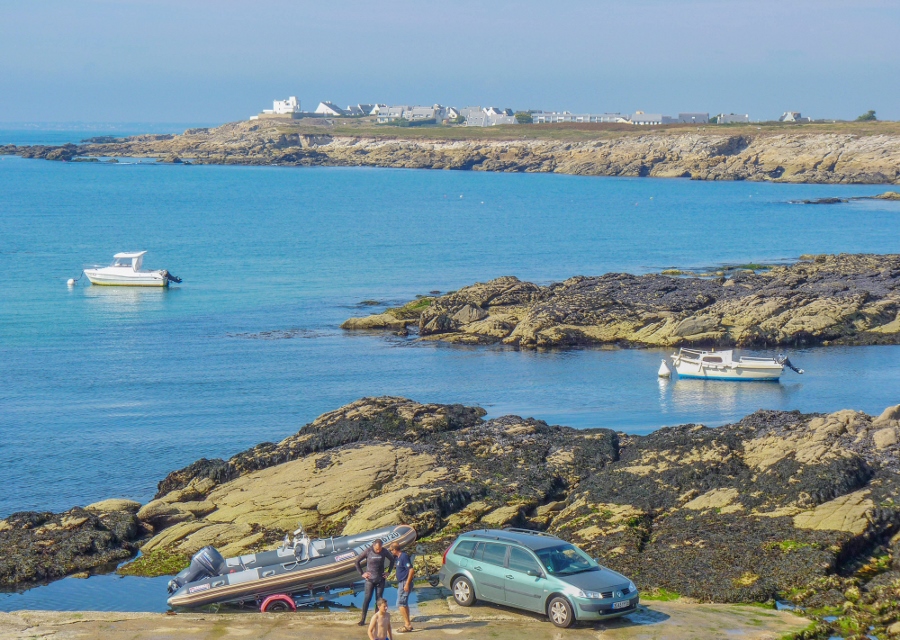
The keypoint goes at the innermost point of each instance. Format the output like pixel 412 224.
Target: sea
pixel 106 390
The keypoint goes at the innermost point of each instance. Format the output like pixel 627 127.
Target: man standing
pixel 374 574
pixel 404 583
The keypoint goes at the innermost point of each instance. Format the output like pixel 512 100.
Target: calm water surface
pixel 106 390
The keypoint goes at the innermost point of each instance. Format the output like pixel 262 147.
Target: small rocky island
pixel 821 300
pixel 801 507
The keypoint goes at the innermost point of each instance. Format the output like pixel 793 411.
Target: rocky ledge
pixel 780 504
pixel 40 546
pixel 826 299
pixel 771 155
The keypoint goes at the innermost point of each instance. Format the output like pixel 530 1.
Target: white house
pixel 693 118
pixel 732 118
pixel 548 117
pixel 793 116
pixel 639 117
pixel 291 105
pixel 283 107
pixel 358 110
pixel 376 109
pixel 487 117
pixel 434 112
pixel 389 114
pixel 329 109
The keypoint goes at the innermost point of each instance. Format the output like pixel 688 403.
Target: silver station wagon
pixel 537 572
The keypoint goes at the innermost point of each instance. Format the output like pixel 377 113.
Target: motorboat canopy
pixel 133 259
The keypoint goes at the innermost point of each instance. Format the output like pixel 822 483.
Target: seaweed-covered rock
pixel 747 511
pixel 827 299
pixel 43 546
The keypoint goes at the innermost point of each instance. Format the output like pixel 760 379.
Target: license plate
pixel 622 605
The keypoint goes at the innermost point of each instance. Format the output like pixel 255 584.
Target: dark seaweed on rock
pixel 843 299
pixel 40 546
pixel 742 512
pixel 779 504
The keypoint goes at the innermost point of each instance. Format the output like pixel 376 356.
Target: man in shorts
pixel 371 566
pixel 404 583
pixel 380 627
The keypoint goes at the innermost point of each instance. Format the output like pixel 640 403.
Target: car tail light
pixel 444 559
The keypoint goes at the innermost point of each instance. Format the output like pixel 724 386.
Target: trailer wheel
pixel 278 604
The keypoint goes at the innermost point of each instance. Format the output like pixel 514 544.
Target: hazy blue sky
pixel 205 61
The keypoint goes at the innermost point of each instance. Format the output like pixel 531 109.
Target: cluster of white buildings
pixel 470 116
pixel 638 118
pixel 491 116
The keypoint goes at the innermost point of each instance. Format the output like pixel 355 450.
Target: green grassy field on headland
pixel 581 132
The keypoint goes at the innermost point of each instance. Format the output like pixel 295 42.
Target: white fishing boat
pixel 126 271
pixel 722 365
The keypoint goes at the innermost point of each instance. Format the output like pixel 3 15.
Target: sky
pixel 223 60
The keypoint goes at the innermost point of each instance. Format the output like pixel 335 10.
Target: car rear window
pixel 465 548
pixel 494 554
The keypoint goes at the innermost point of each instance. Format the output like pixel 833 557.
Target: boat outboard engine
pixel 784 361
pixel 171 278
pixel 206 563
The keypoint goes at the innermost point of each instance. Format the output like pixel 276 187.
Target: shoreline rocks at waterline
pixel 846 299
pixel 780 504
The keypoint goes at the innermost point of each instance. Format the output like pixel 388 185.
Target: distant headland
pixel 844 153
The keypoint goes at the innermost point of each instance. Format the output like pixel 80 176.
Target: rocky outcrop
pixel 44 546
pixel 804 506
pixel 771 155
pixel 742 512
pixel 828 299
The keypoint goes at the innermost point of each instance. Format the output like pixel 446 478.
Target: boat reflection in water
pixel 127 299
pixel 682 396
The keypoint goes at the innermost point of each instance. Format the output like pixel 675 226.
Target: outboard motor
pixel 171 278
pixel 206 563
pixel 784 361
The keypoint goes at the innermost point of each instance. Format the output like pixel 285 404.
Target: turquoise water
pixel 64 133
pixel 106 390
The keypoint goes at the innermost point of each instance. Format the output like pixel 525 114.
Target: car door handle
pixel 477 568
pixel 510 577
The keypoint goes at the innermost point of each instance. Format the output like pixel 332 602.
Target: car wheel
pixel 463 592
pixel 277 606
pixel 560 612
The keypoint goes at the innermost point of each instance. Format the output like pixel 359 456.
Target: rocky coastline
pixel 846 299
pixel 844 156
pixel 800 507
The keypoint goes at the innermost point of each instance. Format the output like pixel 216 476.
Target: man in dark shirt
pixel 374 574
pixel 404 583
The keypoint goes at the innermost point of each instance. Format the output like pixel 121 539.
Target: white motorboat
pixel 721 365
pixel 126 271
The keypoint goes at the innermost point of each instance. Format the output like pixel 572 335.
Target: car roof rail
pixel 529 531
pixel 483 533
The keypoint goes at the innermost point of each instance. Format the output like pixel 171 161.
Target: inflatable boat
pixel 306 565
